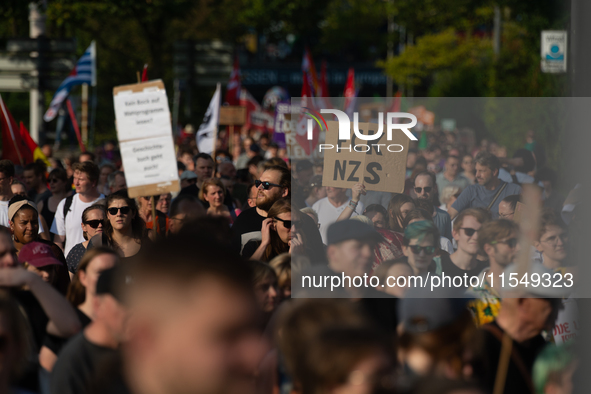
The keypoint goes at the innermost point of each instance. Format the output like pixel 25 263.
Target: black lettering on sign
pixel 371 169
pixel 340 170
pixel 352 177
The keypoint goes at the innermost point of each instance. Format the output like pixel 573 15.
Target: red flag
pixel 246 100
pixel 13 146
pixel 32 145
pixel 233 95
pixel 307 105
pixel 145 73
pixel 350 93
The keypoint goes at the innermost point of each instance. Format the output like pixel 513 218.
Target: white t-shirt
pixel 4 216
pixel 328 213
pixel 72 226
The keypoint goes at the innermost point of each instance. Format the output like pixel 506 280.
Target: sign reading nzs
pixel 379 165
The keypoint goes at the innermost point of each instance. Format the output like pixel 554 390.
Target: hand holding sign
pixel 357 191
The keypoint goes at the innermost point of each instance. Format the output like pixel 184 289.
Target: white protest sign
pixel 145 137
pixel 150 160
pixel 567 323
pixel 142 114
pixel 554 46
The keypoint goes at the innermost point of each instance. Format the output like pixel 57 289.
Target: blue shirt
pixel 477 196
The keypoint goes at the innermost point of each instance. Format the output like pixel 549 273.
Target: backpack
pixel 67 205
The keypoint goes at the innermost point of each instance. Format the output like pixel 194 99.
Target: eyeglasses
pixel 511 242
pixel 124 210
pixel 554 239
pixel 427 189
pixel 289 223
pixel 416 249
pixel 53 180
pixel 469 231
pixel 266 185
pixel 95 223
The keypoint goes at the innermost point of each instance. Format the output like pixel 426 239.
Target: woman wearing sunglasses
pixel 125 230
pixel 420 243
pixel 93 222
pixel 277 235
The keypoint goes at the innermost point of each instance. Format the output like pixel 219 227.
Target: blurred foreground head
pixel 193 320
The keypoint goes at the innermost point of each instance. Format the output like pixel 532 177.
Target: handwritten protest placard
pixel 380 164
pixel 145 138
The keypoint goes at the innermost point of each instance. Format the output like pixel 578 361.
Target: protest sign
pixel 566 327
pixel 145 138
pixel 380 164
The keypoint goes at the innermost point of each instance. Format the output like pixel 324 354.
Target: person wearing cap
pixel 517 330
pixel 188 178
pixel 437 334
pixel 498 239
pixel 78 360
pixel 39 259
pixel 316 190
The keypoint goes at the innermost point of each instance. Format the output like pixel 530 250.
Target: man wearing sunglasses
pixel 498 239
pixel 464 259
pixel 425 188
pixel 274 183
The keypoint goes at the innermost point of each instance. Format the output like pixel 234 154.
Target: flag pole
pixel 84 117
pixel 75 124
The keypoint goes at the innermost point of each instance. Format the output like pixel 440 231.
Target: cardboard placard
pixel 380 164
pixel 232 115
pixel 144 131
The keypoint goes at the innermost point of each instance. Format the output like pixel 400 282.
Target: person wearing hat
pixel 524 314
pixel 39 259
pixel 78 360
pixel 188 178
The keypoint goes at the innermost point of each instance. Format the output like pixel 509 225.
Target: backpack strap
pixel 496 196
pixel 68 204
pixel 515 180
pixel 507 350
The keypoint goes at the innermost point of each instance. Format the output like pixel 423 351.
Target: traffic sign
pixel 554 46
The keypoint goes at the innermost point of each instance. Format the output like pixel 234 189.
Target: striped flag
pixel 83 72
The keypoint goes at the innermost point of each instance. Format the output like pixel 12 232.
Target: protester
pixel 508 206
pixel 315 190
pixel 213 192
pixel 489 190
pixel 93 220
pixel 336 203
pixel 24 222
pixel 18 188
pixel 79 359
pixel 420 246
pixel 265 289
pixel 34 175
pixel 400 205
pixel 397 268
pixel 144 204
pixel 498 239
pixel 103 183
pixel 277 235
pixel 204 166
pixel 124 230
pixel 425 188
pixel 6 178
pixel 251 201
pixel 68 214
pixel 553 241
pixel 378 215
pixel 201 294
pixel 449 195
pixel 548 179
pixel 183 209
pixel 117 181
pixel 273 185
pixel 419 214
pixel 469 171
pixel 464 260
pixel 188 178
pixel 526 164
pixel 312 214
pixel 282 266
pixel 451 176
pixel 554 370
pixel 60 189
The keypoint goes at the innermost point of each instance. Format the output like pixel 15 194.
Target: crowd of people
pixel 191 292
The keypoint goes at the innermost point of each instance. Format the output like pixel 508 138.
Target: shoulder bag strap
pixel 496 196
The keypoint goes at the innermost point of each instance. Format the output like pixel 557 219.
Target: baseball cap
pixel 423 310
pixel 188 175
pixel 38 255
pixel 345 230
pixel 112 281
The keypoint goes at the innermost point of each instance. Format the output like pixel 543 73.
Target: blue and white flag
pixel 83 72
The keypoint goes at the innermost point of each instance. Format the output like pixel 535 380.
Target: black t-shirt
pixel 247 226
pixel 35 314
pixel 450 269
pixel 516 381
pixel 76 365
pixel 55 343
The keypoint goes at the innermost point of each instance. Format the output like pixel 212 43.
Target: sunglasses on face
pixel 266 185
pixel 289 223
pixel 468 231
pixel 94 223
pixel 124 210
pixel 427 189
pixel 511 242
pixel 416 249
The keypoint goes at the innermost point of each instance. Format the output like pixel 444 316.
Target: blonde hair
pixel 282 266
pixel 448 192
pixel 210 182
pixel 309 211
pixel 363 219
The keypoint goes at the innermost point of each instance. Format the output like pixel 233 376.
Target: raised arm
pixel 356 192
